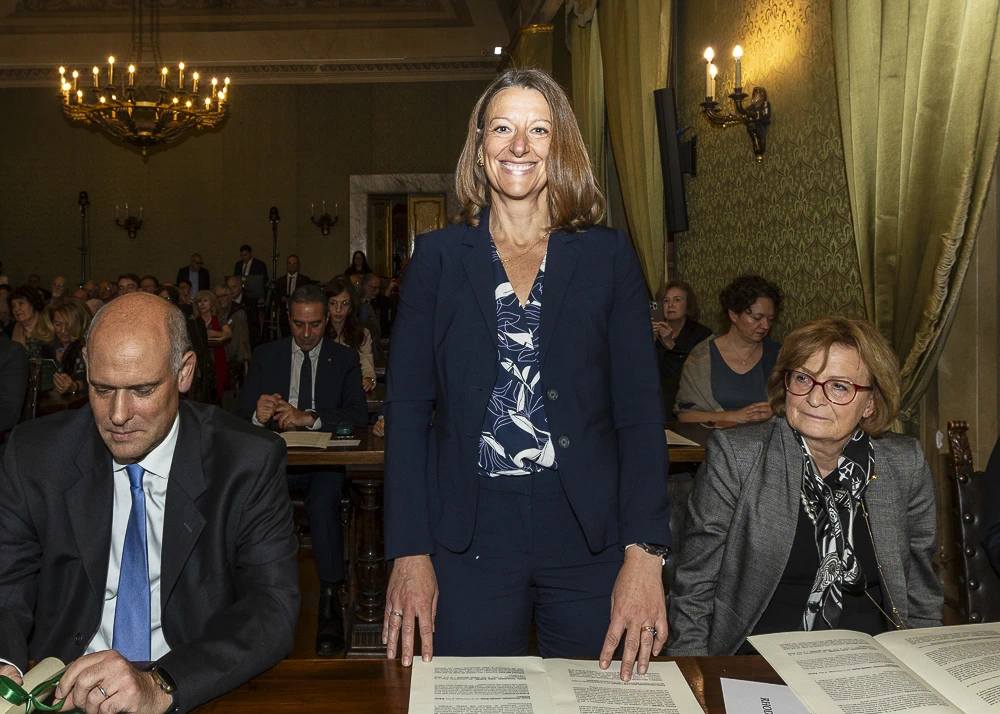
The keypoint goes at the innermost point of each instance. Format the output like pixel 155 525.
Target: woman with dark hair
pixel 344 326
pixel 60 337
pixel 26 304
pixel 359 265
pixel 676 335
pixel 512 492
pixel 203 387
pixel 725 378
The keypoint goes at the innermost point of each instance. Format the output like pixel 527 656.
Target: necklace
pixel 729 341
pixel 504 261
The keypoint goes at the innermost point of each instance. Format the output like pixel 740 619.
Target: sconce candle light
pixel 326 221
pixel 131 224
pixel 755 116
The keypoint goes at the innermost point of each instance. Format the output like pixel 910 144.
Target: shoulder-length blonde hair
pixel 819 335
pixel 73 310
pixel 575 201
pixel 212 301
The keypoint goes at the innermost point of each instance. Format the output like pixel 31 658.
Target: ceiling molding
pixel 298 73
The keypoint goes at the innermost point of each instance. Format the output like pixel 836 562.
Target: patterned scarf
pixel 839 569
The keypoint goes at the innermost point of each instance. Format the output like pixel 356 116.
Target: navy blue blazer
pixel 598 372
pixel 339 396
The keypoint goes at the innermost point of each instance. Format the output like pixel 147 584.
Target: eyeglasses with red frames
pixel 839 391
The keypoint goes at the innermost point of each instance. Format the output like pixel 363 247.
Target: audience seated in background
pixel 58 286
pixel 219 335
pixel 243 302
pixel 186 303
pixel 13 383
pixel 91 289
pixel 195 274
pixel 203 385
pixel 127 283
pixel 105 291
pixel 374 310
pixel 149 284
pixel 26 304
pixel 725 378
pixel 94 304
pixel 816 519
pixel 345 328
pixel 359 265
pixel 59 336
pixel 676 335
pixel 204 587
pixel 307 382
pixel 238 348
pixel 35 283
pixel 285 286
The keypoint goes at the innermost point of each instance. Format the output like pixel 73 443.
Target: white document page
pixel 582 687
pixel 334 443
pixel 306 439
pixel 962 662
pixel 841 672
pixel 470 685
pixel 530 685
pixel 743 697
pixel 675 439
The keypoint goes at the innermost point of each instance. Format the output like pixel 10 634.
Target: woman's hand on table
pixel 637 602
pixel 758 411
pixel 368 384
pixel 379 428
pixel 412 595
pixel 63 383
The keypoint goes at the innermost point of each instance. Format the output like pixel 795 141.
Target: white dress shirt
pixel 246 266
pixel 154 483
pixel 293 384
pixel 193 278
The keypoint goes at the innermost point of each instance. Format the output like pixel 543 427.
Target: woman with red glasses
pixel 817 518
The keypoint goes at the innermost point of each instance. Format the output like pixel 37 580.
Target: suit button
pixel 564 442
pixel 552 395
pixel 78 639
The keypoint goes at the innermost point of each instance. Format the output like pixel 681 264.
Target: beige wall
pixel 788 217
pixel 212 192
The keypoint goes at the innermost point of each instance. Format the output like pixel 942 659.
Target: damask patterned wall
pixel 787 218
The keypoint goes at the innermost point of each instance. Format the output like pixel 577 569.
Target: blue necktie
pixel 306 383
pixel 132 622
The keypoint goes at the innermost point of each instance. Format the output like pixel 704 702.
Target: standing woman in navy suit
pixel 525 454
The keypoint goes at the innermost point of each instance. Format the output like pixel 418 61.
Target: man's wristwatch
pixel 163 679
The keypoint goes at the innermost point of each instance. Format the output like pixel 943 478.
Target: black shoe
pixel 330 632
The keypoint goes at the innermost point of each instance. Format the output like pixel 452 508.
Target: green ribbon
pixel 16 694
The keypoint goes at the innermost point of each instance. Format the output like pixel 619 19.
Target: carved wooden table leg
pixel 366 633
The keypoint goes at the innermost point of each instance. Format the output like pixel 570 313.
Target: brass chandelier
pixel 144 116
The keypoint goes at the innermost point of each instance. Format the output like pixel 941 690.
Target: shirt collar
pixel 315 350
pixel 158 461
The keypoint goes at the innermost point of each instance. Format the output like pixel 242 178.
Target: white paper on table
pixel 307 439
pixel 675 439
pixel 743 697
pixel 343 442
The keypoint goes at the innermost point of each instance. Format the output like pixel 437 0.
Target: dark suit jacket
pixel 281 288
pixel 229 577
pixel 598 372
pixel 257 267
pixel 204 278
pixel 741 521
pixel 339 397
pixel 13 383
pixel 991 508
pixel 253 317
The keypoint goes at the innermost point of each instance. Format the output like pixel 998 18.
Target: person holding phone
pixel 676 330
pixel 59 336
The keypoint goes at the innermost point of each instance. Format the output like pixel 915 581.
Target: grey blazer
pixel 741 521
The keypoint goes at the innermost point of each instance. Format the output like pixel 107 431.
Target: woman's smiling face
pixel 518 136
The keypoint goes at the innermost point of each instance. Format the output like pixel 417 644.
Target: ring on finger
pixel 393 613
pixel 101 690
pixel 649 628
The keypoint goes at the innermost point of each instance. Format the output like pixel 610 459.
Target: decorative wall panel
pixel 787 218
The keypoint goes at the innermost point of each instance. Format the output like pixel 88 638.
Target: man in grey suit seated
pixel 141 530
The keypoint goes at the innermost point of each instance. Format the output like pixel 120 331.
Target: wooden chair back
pixel 978 584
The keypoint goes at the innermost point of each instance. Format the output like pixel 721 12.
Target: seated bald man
pixel 147 540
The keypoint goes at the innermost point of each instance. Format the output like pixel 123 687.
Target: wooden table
pixel 336 686
pixel 695 432
pixel 370 451
pixel 51 401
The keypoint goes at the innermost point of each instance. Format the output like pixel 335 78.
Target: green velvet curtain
pixel 635 48
pixel 588 88
pixel 918 86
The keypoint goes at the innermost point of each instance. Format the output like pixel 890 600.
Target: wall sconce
pixel 325 222
pixel 755 116
pixel 131 224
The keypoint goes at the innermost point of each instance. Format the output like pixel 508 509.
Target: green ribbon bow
pixel 16 694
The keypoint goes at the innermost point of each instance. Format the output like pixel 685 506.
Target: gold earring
pixel 479 161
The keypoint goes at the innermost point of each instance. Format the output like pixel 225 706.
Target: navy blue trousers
pixel 322 499
pixel 528 558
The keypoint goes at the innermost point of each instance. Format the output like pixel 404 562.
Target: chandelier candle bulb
pixel 194 88
pixel 163 78
pixel 79 96
pixel 140 213
pixel 709 82
pixel 131 75
pixel 111 71
pixel 76 75
pixel 712 72
pixel 97 77
pixel 738 54
pixel 215 87
pixel 180 76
